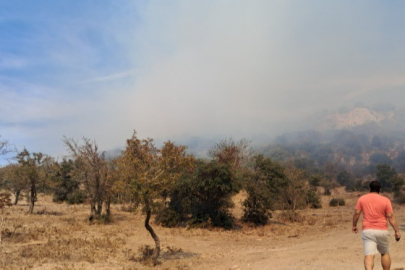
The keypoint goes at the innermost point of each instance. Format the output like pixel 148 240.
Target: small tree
pixel 295 194
pixel 65 186
pixel 90 168
pixel 14 180
pixel 264 187
pixel 389 179
pixel 30 173
pixel 212 186
pixel 150 172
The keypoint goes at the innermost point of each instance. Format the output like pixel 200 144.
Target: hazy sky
pixel 171 69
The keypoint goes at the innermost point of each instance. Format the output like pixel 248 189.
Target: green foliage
pixel 343 178
pixel 33 173
pixel 66 188
pixel 347 180
pixel 337 202
pixel 315 180
pixel 212 188
pixel 168 217
pixel 263 187
pixel 388 178
pixel 399 197
pixel 76 197
pixel 313 199
pixel 201 197
pixel 255 211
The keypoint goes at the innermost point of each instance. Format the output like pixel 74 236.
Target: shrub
pixel 399 197
pixel 201 198
pixel 168 217
pixel 337 202
pixel 255 213
pixel 313 199
pixel 291 216
pixel 76 197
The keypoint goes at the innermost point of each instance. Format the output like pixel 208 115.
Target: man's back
pixel 375 209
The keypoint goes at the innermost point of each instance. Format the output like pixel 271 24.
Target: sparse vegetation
pixel 337 202
pixel 181 191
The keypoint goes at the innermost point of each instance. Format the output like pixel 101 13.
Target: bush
pixel 313 199
pixel 76 197
pixel 399 198
pixel 202 198
pixel 168 218
pixel 291 216
pixel 256 214
pixel 337 202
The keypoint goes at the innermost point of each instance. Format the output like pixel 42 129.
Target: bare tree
pixel 236 154
pixel 92 170
pixel 4 146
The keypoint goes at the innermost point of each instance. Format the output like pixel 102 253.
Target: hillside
pixel 354 140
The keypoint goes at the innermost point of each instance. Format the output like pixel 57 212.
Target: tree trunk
pixel 99 208
pixel 33 197
pixel 92 210
pixel 107 207
pixel 156 251
pixel 17 196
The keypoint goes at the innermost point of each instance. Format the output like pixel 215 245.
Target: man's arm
pixel 393 221
pixel 356 217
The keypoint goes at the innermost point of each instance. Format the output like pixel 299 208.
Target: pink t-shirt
pixel 375 208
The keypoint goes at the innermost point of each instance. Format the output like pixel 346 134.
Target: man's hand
pixel 356 217
pixel 397 236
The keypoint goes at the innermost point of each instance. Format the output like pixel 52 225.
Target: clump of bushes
pixel 201 198
pixel 337 202
pixel 76 197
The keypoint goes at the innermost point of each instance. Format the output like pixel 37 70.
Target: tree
pixel 65 186
pixel 294 195
pixel 4 146
pixel 380 158
pixel 264 187
pixel 14 180
pixel 389 179
pixel 236 154
pixel 150 172
pixel 90 168
pixel 30 173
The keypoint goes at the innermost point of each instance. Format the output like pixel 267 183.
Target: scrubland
pixel 59 236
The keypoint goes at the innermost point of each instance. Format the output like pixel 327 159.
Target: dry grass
pixel 58 236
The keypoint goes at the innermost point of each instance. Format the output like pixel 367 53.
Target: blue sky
pixel 176 69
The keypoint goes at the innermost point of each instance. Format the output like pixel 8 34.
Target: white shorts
pixel 375 241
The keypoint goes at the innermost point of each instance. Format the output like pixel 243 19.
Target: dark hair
pixel 375 186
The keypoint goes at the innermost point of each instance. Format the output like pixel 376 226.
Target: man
pixel 376 238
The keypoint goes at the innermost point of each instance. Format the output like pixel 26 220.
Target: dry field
pixel 59 236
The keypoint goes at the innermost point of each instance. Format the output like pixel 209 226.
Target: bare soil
pixel 59 236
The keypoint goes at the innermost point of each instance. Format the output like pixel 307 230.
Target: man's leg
pixel 386 261
pixel 369 262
